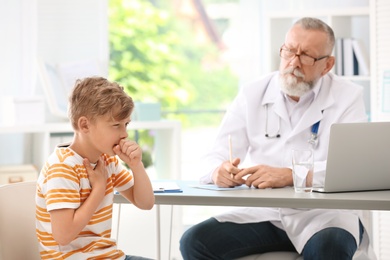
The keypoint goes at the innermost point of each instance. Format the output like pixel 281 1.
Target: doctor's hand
pixel 264 176
pixel 223 176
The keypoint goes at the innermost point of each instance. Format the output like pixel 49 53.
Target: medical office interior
pixel 42 37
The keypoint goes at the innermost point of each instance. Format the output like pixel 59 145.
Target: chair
pixel 359 255
pixel 17 222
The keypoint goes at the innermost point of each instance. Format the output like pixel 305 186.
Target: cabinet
pixel 40 143
pixel 17 173
pixel 351 22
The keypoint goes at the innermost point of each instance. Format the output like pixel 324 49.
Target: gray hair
pixel 310 23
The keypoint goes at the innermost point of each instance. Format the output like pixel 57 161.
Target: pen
pixel 230 153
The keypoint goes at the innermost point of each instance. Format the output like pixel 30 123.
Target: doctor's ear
pixel 330 61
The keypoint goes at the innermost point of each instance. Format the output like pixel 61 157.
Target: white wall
pixel 55 31
pixel 17 47
pixel 71 30
pixel 17 52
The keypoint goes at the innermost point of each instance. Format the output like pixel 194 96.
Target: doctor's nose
pixel 295 62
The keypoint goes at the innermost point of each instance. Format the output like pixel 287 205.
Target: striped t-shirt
pixel 63 183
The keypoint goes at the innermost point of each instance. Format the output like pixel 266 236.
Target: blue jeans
pixel 211 239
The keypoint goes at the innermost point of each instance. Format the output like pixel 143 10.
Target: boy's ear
pixel 83 123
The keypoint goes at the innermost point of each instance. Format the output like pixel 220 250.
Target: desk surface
pixel 284 197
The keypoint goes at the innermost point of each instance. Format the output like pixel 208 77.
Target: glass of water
pixel 302 170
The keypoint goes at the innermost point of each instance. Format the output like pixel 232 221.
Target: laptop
pixel 358 157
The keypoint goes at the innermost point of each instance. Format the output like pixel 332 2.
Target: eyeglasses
pixel 303 58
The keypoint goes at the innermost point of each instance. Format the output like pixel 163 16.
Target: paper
pixel 362 57
pixel 348 57
pixel 165 186
pixel 214 187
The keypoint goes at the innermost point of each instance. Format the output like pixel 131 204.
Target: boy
pixel 76 185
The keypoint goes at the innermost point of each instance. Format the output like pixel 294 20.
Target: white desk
pixel 284 197
pixel 167 142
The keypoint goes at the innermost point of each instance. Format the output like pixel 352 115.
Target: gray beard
pixel 290 85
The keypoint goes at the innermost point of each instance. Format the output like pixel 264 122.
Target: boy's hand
pixel 98 176
pixel 129 152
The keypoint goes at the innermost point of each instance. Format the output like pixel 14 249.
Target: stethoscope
pixel 313 136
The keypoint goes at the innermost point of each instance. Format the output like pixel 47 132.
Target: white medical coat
pixel 336 101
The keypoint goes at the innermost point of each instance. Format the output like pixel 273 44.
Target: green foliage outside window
pixel 155 56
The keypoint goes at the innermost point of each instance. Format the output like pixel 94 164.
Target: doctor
pixel 292 108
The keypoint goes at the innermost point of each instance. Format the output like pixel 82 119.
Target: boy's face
pixel 105 133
